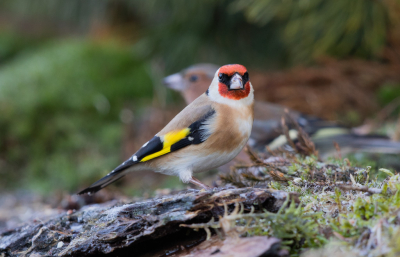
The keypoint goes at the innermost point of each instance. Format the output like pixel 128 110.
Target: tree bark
pixel 146 228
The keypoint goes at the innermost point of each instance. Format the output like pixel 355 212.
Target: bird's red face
pixel 233 81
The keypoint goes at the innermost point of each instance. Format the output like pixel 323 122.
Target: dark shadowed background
pixel 80 81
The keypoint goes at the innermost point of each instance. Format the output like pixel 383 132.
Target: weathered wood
pixel 146 228
pixel 236 247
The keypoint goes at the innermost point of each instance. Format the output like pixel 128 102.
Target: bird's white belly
pixel 212 161
pixel 189 162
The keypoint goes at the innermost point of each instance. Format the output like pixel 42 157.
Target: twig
pixel 361 188
pixel 24 253
pixel 338 151
pixel 305 145
pixel 285 131
pixel 279 176
pixel 252 155
pixel 387 110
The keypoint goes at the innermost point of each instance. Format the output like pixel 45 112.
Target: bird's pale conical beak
pixel 236 82
pixel 174 81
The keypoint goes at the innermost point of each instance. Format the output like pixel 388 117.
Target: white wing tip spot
pixel 145 144
pixel 190 138
pixel 134 158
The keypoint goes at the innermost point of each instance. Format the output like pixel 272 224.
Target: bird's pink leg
pixel 197 182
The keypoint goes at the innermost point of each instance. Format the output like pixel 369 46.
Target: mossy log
pixel 145 228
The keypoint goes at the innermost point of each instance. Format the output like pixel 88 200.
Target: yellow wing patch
pixel 168 140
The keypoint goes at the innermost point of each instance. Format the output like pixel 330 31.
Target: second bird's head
pixel 196 79
pixel 231 85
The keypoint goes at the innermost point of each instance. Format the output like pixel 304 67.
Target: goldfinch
pixel 208 133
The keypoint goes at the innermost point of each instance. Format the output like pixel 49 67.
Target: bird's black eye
pixel 245 78
pixel 193 78
pixel 223 78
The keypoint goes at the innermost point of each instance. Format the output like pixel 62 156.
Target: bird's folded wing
pixel 195 133
pixel 187 128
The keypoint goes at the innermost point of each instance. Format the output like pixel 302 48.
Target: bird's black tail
pixel 312 125
pixel 100 184
pixel 116 174
pixel 356 143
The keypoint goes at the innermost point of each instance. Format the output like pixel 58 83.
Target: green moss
pixel 299 230
pixel 346 209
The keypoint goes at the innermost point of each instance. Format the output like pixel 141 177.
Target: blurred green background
pixel 75 74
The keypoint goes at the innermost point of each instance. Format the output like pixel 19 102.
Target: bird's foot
pixel 198 183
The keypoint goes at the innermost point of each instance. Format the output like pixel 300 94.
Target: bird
pixel 207 133
pixel 267 125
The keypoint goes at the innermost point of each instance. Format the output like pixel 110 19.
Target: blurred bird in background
pixel 267 126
